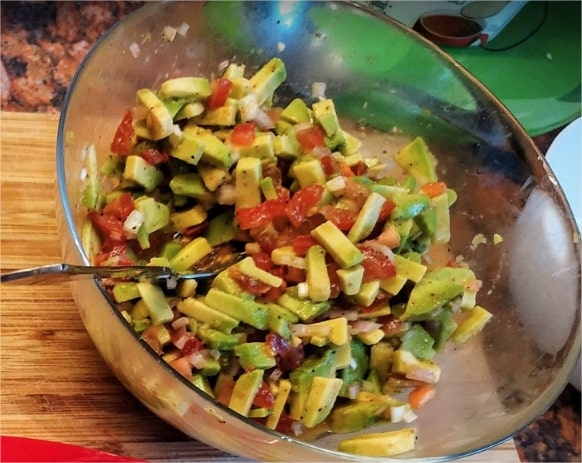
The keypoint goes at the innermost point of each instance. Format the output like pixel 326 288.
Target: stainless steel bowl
pixel 383 77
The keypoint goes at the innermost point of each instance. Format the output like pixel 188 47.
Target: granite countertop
pixel 42 46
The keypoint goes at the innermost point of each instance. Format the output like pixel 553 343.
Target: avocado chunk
pixel 214 151
pixel 159 121
pixel 284 388
pixel 224 282
pixel 190 184
pixel 325 115
pixel 188 218
pixel 189 149
pixel 334 330
pixel 155 301
pixel 189 111
pixel 337 244
pixel 296 112
pixel 313 366
pixel 220 229
pixel 194 251
pixel 125 291
pixel 384 444
pixel 442 232
pixel 350 279
pixel 192 88
pixel 222 116
pixel 318 283
pixel 244 392
pixel 280 320
pixel 354 373
pixel 419 342
pixel 356 416
pixel 304 309
pixel 243 309
pixel 286 146
pixel 417 160
pixel 266 80
pixel 436 289
pixel 249 268
pixel 320 400
pixel 446 326
pixel 91 191
pixel 367 218
pixel 408 206
pixel 409 269
pixel 475 321
pixel 138 170
pixel 212 176
pixel 381 359
pixel 308 172
pixel 405 363
pixel 262 147
pixel 156 214
pixel 248 174
pixel 253 355
pixel 216 339
pixel 198 310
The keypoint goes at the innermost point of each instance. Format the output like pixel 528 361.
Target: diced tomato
pixel 192 345
pixel 329 164
pixel 247 283
pixel 302 243
pixel 264 397
pixel 294 275
pixel 356 192
pixel 288 357
pixel 283 193
pixel 150 337
pixel 275 293
pixel 343 219
pixel 113 252
pixel 273 171
pixel 432 189
pixel 261 214
pixel 110 225
pixel 303 202
pixel 377 304
pixel 243 134
pixel 267 239
pixel 182 366
pixel 376 265
pixel 285 424
pixel 310 138
pixel 359 168
pixel 154 157
pixel 124 139
pixel 420 395
pixel 387 208
pixel 120 207
pixel 390 324
pixel 263 261
pixel 220 91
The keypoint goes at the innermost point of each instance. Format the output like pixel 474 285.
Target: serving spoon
pixel 58 273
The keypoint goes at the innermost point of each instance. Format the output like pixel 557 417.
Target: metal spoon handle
pixel 58 273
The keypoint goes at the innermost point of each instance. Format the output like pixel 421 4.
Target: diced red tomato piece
pixel 376 265
pixel 285 424
pixel 192 345
pixel 124 139
pixel 225 392
pixel 150 337
pixel 195 230
pixel 108 224
pixel 420 395
pixel 302 243
pixel 154 157
pixel 243 134
pixel 329 164
pixel 343 219
pixel 390 324
pixel 220 91
pixel 295 275
pixel 332 268
pixel 261 214
pixel 310 138
pixel 387 208
pixel 303 202
pixel 263 261
pixel 247 283
pixel 359 168
pixel 120 207
pixel 345 170
pixel 432 189
pixel 264 397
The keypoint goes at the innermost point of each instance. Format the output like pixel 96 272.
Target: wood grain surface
pixel 54 385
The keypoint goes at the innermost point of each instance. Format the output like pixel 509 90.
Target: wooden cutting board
pixel 54 385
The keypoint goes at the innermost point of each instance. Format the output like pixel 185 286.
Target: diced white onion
pixel 363 326
pixel 183 29
pixel 134 49
pixel 396 413
pixel 263 121
pixel 297 428
pixel 320 151
pixel 83 173
pixel 134 220
pixel 353 390
pixel 214 353
pixel 248 107
pixel 171 282
pixel 252 248
pixel 275 375
pixel 169 33
pixel 302 126
pixel 197 359
pixel 226 194
pixel 336 184
pixel 302 290
pixel 280 47
pixel 223 65
pixel 180 342
pixel 180 322
pixel 318 90
pixel 409 416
